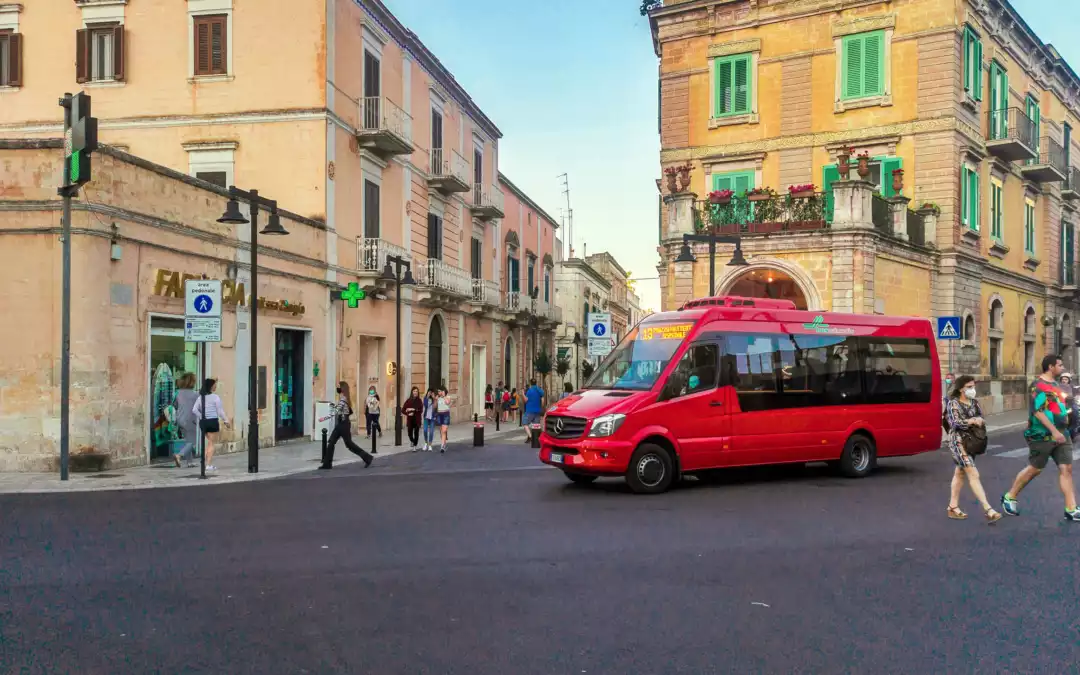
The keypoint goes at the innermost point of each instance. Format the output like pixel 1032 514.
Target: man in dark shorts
pixel 1048 424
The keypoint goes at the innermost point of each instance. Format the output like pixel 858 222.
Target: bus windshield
pixel 640 358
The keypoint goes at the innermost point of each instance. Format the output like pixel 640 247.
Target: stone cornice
pixel 863 24
pixel 735 47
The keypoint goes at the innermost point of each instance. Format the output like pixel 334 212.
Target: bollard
pixel 477 432
pixel 498 414
pixel 324 447
pixel 374 438
pixel 534 432
pixel 521 417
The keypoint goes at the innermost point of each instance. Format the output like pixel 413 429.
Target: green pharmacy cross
pixel 353 295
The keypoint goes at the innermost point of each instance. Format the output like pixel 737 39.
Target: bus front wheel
pixel 859 457
pixel 579 478
pixel 651 470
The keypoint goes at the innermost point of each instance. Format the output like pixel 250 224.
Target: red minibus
pixel 726 382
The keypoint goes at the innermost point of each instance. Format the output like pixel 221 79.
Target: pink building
pixel 352 123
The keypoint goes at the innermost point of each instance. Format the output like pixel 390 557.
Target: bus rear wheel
pixel 579 478
pixel 651 470
pixel 859 457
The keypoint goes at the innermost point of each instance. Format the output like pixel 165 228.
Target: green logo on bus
pixel 818 325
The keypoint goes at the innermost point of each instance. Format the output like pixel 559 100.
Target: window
pixel 996 206
pixel 211 46
pixel 1029 341
pixel 973 64
pixel 437 143
pixel 732 85
pixel 1031 107
pixel 532 274
pixel 969 197
pixel 696 371
pixel 547 284
pixel 996 331
pixel 881 169
pixel 10 59
pixel 999 102
pixel 513 274
pixel 478 166
pixel 434 237
pixel 863 69
pixel 1029 227
pixel 219 178
pixel 99 54
pixel 371 210
pixel 1068 254
pixel 897 370
pixel 969 328
pixel 477 259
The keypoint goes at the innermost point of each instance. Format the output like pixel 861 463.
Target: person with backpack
pixel 372 413
pixel 1048 422
pixel 1072 404
pixel 343 429
pixel 967 438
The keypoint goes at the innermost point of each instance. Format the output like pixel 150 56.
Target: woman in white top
pixel 211 422
pixel 442 414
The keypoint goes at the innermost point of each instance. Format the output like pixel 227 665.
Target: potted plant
pixel 670 173
pixel 760 194
pixel 720 196
pixel 843 161
pixel 897 181
pixel 800 191
pixel 931 207
pixel 864 165
pixel 684 176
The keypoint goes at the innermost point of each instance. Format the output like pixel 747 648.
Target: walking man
pixel 1048 422
pixel 534 408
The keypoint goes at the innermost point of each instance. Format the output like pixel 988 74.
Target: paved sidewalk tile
pixel 283 460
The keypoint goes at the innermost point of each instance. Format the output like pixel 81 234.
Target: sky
pixel 572 86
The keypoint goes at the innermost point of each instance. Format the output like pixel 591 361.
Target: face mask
pixel 948 382
pixel 371 393
pixel 694 381
pixel 969 392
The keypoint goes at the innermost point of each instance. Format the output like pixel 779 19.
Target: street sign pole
pixel 65 305
pixel 200 433
pixel 202 324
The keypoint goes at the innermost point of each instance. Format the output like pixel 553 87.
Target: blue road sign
pixel 203 304
pixel 948 328
pixel 599 329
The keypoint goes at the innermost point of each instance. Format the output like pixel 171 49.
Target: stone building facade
pixel 962 98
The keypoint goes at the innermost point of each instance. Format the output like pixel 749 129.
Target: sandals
pixel 956 514
pixel 992 516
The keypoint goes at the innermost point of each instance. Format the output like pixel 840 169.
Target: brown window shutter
pixel 14 78
pixel 118 53
pixel 202 46
pixel 217 46
pixel 82 55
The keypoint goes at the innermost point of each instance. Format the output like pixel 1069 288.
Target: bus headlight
pixel 606 425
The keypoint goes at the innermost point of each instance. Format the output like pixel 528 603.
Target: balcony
pixel 1011 135
pixel 485 295
pixel 385 128
pixel 371 260
pixel 762 215
pixel 487 204
pixel 440 284
pixel 515 302
pixel 1049 166
pixel 550 316
pixel 1071 190
pixel 449 172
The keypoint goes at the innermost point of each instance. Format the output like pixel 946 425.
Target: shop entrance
pixel 290 384
pixel 170 358
pixel 479 377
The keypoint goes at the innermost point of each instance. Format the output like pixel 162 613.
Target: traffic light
pixel 80 140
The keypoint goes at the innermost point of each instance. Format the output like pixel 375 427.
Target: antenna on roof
pixel 569 214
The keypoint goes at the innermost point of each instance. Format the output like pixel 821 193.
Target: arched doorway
pixel 508 362
pixel 768 283
pixel 435 353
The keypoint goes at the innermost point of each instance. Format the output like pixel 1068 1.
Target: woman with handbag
pixel 967 438
pixel 211 422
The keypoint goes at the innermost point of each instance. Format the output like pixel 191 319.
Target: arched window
pixel 969 328
pixel 1029 342
pixel 995 331
pixel 435 353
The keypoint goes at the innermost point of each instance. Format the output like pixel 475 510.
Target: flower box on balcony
pixel 804 225
pixel 730 228
pixel 759 197
pixel 802 194
pixel 766 228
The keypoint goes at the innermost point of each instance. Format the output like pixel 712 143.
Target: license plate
pixel 557 457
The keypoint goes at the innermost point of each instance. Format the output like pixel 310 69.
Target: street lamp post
pixel 686 255
pixel 392 272
pixel 577 358
pixel 233 216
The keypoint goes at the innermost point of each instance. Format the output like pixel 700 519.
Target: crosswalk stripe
pixel 1023 452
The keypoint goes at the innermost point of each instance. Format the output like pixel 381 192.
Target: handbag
pixel 975 440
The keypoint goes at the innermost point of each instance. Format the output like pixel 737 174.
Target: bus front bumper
pixel 599 456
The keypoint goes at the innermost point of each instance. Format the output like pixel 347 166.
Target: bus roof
pixel 729 308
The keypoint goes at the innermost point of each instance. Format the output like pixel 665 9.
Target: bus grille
pixel 571 427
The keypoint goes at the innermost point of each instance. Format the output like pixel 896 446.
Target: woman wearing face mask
pixel 372 413
pixel 413 409
pixel 343 428
pixel 963 412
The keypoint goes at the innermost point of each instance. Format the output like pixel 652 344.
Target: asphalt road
pixel 477 562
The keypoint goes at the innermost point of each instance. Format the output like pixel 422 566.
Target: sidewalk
pixel 276 462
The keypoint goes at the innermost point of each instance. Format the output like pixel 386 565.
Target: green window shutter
pixel 723 181
pixel 723 87
pixel 888 164
pixel 741 68
pixel 973 193
pixel 743 182
pixel 852 66
pixel 965 209
pixel 967 60
pixel 976 67
pixel 873 65
pixel 829 175
pixel 995 211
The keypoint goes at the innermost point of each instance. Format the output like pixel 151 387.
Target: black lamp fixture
pixel 687 256
pixel 273 225
pixel 232 215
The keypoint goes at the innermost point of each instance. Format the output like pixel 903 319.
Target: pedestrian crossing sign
pixel 948 328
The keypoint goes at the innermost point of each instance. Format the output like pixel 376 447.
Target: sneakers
pixel 211 467
pixel 1009 505
pixel 443 448
pixel 1073 516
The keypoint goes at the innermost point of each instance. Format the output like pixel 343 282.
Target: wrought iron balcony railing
pixel 762 215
